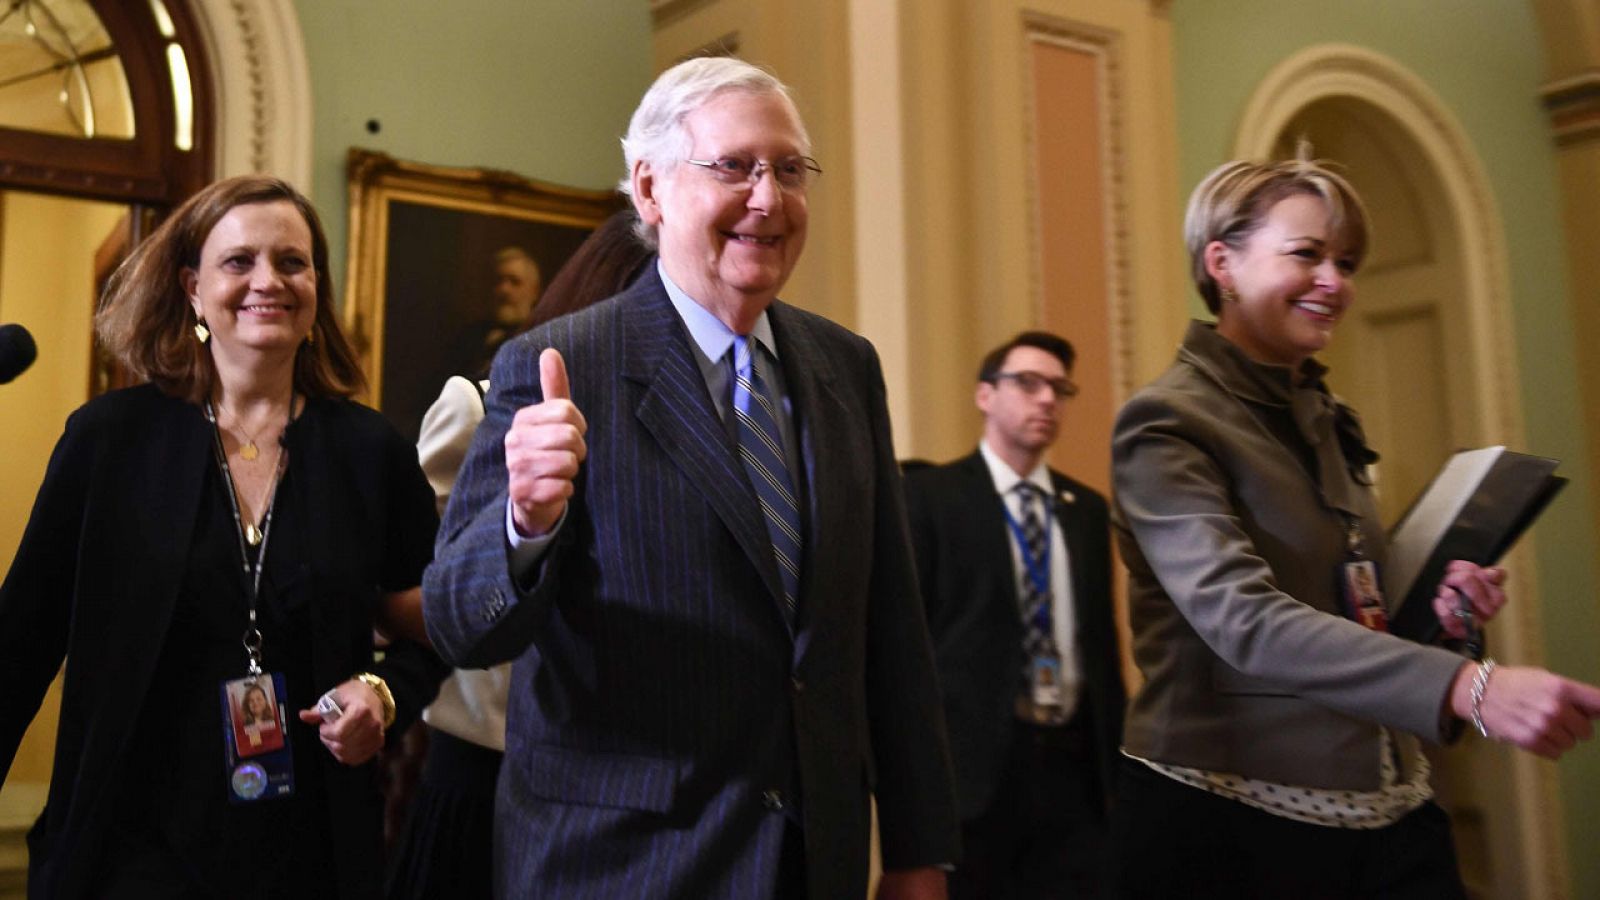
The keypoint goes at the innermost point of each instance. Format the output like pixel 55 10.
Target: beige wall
pixel 47 285
pixel 931 229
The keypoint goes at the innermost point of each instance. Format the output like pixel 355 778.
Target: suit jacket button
pixel 772 799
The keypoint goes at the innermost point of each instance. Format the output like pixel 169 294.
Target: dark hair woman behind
pixel 236 526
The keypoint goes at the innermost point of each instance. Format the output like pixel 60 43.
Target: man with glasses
pixel 1014 562
pixel 682 518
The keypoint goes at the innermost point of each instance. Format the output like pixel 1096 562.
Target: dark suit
pixel 969 583
pixel 109 543
pixel 665 725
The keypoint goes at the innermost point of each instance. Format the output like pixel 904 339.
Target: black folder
pixel 1475 508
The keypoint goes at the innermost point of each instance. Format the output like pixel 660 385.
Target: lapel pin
pixel 1068 497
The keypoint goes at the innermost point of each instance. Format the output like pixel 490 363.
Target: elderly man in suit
pixel 1015 565
pixel 681 517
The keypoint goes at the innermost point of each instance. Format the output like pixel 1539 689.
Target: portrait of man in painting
pixel 457 285
pixel 446 265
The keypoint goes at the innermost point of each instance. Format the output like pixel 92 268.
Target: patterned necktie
pixel 761 450
pixel 1038 639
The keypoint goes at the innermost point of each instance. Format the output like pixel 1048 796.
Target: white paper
pixel 1413 539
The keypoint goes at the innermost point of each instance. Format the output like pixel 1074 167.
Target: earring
pixel 1228 296
pixel 311 336
pixel 201 332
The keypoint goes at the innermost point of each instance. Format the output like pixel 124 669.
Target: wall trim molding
pixel 263 88
pixel 1104 46
pixel 1362 76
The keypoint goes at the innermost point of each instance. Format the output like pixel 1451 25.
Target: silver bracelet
pixel 1480 683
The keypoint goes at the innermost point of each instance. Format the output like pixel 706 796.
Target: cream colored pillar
pixel 1571 30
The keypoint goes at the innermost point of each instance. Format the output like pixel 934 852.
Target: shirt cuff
pixel 525 553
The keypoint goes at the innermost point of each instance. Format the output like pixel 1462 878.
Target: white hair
pixel 656 133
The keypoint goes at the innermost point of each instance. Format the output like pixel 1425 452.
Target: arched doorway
pixel 1425 355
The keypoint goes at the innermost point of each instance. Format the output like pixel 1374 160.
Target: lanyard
pixel 252 572
pixel 1038 568
pixel 1355 543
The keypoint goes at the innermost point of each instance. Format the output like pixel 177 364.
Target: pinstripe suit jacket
pixel 665 721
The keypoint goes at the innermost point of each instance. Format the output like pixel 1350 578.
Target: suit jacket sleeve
pixel 36 597
pixel 477 614
pixel 1174 499
pixel 918 825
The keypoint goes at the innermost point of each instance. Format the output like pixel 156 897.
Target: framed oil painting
pixel 445 263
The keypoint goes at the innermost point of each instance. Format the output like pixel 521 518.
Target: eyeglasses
pixel 741 172
pixel 1031 382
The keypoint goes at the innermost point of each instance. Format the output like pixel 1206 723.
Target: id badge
pixel 1363 598
pixel 1045 676
pixel 256 738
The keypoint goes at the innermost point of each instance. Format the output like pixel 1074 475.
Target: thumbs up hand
pixel 544 448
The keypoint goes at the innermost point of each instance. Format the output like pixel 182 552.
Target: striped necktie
pixel 1038 632
pixel 761 450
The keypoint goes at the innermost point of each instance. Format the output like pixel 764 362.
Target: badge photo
pixel 1363 598
pixel 255 737
pixel 257 718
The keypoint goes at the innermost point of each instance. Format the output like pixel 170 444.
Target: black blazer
pixel 968 582
pixel 664 721
pixel 97 576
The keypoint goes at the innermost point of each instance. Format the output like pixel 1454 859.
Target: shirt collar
pixel 1239 374
pixel 1006 479
pixel 708 332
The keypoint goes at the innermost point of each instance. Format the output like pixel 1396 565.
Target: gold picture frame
pixel 422 241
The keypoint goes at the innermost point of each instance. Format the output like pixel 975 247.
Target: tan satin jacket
pixel 1234 492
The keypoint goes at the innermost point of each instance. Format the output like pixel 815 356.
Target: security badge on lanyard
pixel 255 707
pixel 1358 580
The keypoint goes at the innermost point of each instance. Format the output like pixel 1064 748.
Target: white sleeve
pixel 447 430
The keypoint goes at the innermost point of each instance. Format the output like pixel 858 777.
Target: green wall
pixel 1484 60
pixel 542 88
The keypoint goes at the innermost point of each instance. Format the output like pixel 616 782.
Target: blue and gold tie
pixel 1034 601
pixel 761 450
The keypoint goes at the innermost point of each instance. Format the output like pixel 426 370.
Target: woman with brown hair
pixel 236 522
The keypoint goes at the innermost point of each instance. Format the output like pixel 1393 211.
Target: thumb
pixel 310 717
pixel 553 375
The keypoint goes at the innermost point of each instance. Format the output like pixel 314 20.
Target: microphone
pixel 17 351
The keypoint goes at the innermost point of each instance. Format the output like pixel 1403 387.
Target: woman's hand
pixel 1481 586
pixel 357 734
pixel 1539 711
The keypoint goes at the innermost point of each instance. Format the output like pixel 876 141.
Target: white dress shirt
pixel 1063 619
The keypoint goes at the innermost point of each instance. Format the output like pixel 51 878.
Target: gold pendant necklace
pixel 252 535
pixel 249 450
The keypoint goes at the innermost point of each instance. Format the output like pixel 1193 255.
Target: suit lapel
pixel 991 536
pixel 1070 517
pixel 676 410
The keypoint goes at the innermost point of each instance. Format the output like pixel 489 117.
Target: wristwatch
pixel 381 687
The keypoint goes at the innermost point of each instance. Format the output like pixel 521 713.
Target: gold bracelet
pixel 380 687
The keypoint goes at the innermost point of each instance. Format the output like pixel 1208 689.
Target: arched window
pixel 103 99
